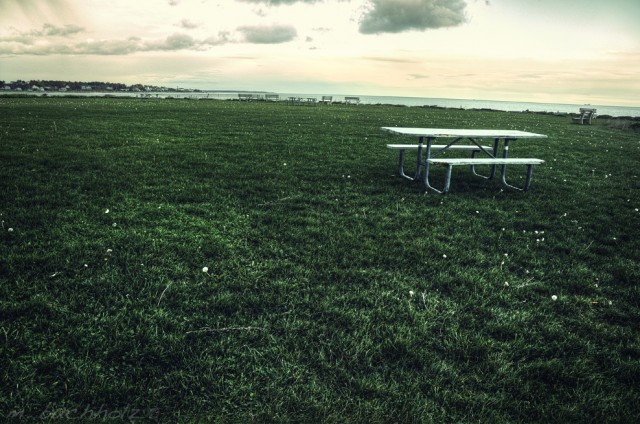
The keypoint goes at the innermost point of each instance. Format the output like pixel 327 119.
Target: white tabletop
pixel 454 133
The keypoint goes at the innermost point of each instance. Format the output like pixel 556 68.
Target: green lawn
pixel 334 290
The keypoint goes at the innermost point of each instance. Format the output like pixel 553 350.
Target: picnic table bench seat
pixel 449 163
pixel 402 147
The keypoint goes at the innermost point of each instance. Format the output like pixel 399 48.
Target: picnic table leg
pixel 427 184
pixel 418 163
pixel 494 154
pixel 503 178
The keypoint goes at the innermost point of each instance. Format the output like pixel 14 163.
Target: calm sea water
pixel 404 101
pixel 457 103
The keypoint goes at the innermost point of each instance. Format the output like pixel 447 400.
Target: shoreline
pixel 205 95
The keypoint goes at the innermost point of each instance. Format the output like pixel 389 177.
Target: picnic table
pixel 429 154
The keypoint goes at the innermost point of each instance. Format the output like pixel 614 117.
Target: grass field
pixel 192 261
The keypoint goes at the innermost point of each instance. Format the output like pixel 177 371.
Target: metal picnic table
pixel 428 153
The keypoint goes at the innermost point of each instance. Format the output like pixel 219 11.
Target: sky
pixel 551 51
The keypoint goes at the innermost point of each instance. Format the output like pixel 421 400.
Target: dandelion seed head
pixel 554 297
pixel 205 269
pixel 444 256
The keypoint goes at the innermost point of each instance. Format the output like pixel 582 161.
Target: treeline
pixel 54 85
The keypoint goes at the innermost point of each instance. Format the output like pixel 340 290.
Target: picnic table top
pixel 453 133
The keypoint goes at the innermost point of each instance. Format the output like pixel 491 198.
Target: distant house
pixel 6 88
pixel 86 88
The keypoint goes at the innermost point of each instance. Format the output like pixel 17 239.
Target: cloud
pixel 47 31
pixel 174 42
pixel 187 24
pixel 273 34
pixel 279 2
pixel 65 31
pixel 406 15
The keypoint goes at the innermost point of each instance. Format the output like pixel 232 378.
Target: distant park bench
pixel 245 96
pixel 352 100
pixel 587 114
pixel 311 101
pixel 327 99
pixel 272 97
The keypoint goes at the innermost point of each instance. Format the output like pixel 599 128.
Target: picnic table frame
pixel 455 136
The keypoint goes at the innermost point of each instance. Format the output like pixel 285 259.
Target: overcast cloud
pixel 273 34
pixel 405 15
pixel 279 2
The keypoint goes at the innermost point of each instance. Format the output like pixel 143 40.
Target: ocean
pixel 618 111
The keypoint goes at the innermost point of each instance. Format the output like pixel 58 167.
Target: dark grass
pixel 328 295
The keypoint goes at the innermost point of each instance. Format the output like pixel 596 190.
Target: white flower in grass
pixel 10 230
pixel 205 269
pixel 554 297
pixel 411 293
pixel 506 284
pixel 114 225
pixel 444 256
pixel 107 211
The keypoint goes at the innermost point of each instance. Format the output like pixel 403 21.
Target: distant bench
pixel 272 97
pixel 312 101
pixel 585 117
pixel 352 100
pixel 244 96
